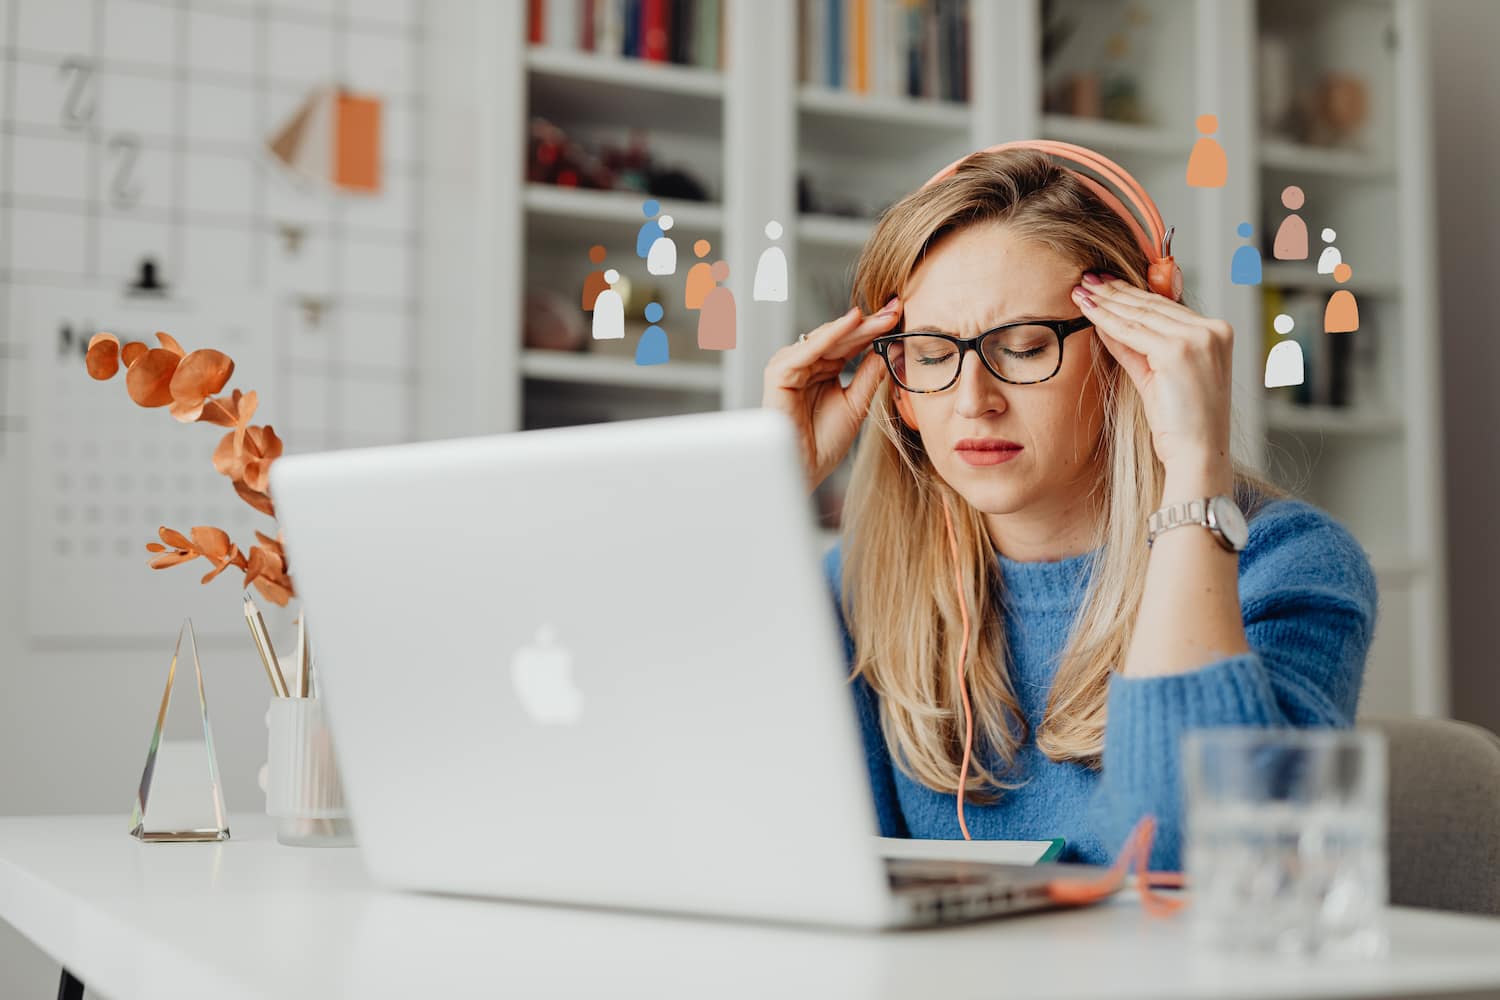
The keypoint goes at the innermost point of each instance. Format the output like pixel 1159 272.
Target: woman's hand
pixel 1179 361
pixel 802 380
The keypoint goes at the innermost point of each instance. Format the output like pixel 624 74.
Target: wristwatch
pixel 1219 515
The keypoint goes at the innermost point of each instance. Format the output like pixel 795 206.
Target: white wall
pixel 1466 97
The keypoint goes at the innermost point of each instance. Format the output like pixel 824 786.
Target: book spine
pixel 913 49
pixel 931 53
pixel 872 47
pixel 859 37
pixel 608 30
pixel 688 32
pixel 950 52
pixel 561 24
pixel 535 21
pixel 817 48
pixel 801 41
pixel 630 42
pixel 653 37
pixel 964 28
pixel 586 37
pixel 835 38
pixel 710 40
pixel 895 48
pixel 677 19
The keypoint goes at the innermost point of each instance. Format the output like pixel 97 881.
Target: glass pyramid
pixel 180 799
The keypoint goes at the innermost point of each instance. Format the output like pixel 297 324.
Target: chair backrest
pixel 1444 836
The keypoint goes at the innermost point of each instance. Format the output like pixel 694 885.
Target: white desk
pixel 251 918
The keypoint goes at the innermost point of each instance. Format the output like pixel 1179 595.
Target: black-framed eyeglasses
pixel 1019 353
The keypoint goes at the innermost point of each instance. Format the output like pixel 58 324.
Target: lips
pixel 986 444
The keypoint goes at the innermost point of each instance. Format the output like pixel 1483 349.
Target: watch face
pixel 1231 522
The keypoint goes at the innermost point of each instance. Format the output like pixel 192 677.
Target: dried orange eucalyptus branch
pixel 185 384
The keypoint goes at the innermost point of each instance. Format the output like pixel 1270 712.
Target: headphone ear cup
pixel 903 407
pixel 1165 278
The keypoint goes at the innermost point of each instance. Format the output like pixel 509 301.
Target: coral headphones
pixel 1098 173
pixel 1164 276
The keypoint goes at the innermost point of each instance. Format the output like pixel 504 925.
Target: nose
pixel 978 391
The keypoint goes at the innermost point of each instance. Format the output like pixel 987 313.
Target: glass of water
pixel 1286 840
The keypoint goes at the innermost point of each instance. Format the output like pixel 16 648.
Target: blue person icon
pixel 652 348
pixel 650 230
pixel 1245 266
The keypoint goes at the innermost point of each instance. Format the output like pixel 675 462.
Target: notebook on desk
pixel 1009 852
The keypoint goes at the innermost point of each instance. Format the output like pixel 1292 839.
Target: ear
pixel 904 407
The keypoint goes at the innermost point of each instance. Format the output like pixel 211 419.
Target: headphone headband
pixel 1095 171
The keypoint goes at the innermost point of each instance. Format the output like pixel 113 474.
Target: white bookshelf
pixel 595 369
pixel 749 130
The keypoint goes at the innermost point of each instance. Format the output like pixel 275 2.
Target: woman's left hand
pixel 1179 361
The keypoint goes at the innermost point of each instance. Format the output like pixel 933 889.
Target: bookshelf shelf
pixel 596 209
pixel 1276 154
pixel 833 231
pixel 1108 136
pixel 1283 416
pixel 643 76
pixel 1397 569
pixel 888 128
pixel 906 112
pixel 1296 275
pixel 596 369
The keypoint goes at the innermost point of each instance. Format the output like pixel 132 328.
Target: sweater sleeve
pixel 1309 603
pixel 877 757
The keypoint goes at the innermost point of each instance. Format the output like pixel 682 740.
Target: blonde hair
pixel 898 577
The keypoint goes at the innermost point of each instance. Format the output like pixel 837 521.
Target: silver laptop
pixel 599 665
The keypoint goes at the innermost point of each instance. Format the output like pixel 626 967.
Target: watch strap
pixel 1175 515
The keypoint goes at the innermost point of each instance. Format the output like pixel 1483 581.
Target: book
pixel 833 37
pixel 560 26
pixel 857 49
pixel 708 38
pixel 1013 852
pixel 655 25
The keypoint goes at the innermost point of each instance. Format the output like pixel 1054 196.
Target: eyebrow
pixel 1027 318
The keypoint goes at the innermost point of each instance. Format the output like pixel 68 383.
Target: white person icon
pixel 1284 363
pixel 662 257
pixel 609 310
pixel 770 271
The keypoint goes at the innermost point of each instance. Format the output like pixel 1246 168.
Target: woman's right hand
pixel 802 380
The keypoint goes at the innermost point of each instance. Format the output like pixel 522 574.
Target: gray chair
pixel 1444 793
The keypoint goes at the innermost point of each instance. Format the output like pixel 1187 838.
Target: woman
pixel 1022 481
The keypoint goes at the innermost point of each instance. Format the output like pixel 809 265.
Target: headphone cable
pixel 963 651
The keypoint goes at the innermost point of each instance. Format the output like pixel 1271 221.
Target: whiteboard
pixel 104 473
pixel 135 130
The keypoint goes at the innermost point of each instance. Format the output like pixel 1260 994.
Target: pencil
pixel 303 658
pixel 263 646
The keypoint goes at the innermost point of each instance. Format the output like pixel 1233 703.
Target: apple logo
pixel 543 675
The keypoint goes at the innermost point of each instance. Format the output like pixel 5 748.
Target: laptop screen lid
pixel 592 664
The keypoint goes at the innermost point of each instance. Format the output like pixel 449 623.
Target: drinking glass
pixel 1286 840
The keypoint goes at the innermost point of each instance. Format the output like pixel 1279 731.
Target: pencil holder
pixel 303 790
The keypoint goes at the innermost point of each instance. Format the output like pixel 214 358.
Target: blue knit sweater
pixel 1309 604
